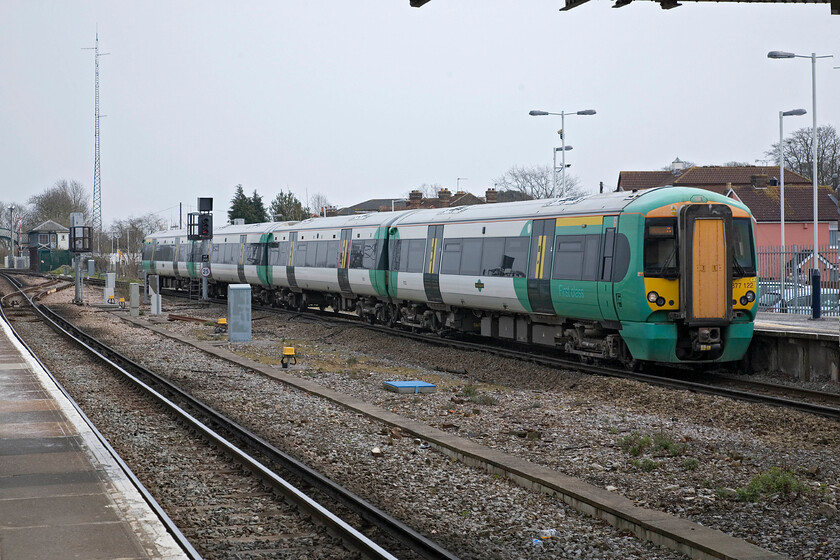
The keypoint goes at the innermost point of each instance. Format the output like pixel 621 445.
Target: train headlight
pixel 750 295
pixel 652 297
pixel 743 300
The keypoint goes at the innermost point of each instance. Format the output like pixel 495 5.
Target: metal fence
pixel 784 279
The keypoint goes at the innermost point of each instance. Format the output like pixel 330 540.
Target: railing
pixel 784 279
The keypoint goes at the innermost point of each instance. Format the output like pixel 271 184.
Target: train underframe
pixel 590 340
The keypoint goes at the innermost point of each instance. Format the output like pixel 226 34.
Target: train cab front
pixel 700 283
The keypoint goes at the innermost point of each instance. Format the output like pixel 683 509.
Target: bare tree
pixel 317 203
pixel 428 190
pixel 798 153
pixel 58 202
pixel 537 182
pixel 127 236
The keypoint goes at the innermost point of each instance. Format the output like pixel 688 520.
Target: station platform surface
pixel 796 324
pixel 62 495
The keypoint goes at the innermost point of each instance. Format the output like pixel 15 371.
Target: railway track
pixel 253 500
pixel 731 386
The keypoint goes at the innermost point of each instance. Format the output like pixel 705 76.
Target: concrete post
pixel 110 284
pixel 79 298
pixel 154 294
pixel 134 299
pixel 239 313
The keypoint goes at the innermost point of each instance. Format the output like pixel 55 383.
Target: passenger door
pixel 344 262
pixel 539 265
pixel 606 302
pixel 431 272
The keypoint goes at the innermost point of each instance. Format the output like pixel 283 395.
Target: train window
pixel 300 254
pixel 332 254
pixel 451 261
pixel 371 254
pixel 515 259
pixel 568 257
pixel 743 258
pixel 148 251
pixel 416 255
pixel 661 255
pixel 471 257
pixel 165 253
pixel 311 253
pixel 357 252
pixel 492 255
pixel 321 255
pixel 254 254
pixel 395 249
pixel 590 257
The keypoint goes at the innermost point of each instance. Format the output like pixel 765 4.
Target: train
pixel 663 275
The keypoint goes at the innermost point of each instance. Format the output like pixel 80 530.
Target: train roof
pixel 595 204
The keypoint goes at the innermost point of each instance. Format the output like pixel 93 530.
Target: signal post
pixel 200 228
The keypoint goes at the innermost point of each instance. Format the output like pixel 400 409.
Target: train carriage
pixel 665 275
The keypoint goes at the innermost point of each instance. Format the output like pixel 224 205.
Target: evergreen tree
pixel 239 205
pixel 258 211
pixel 287 208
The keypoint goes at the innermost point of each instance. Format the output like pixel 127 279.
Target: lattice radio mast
pixel 97 180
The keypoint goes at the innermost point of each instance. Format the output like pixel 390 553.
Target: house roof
pixel 765 205
pixel 49 226
pixel 712 177
pixel 372 205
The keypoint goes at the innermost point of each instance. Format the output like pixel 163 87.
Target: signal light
pixel 205 226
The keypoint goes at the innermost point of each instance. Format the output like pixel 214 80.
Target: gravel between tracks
pixel 694 454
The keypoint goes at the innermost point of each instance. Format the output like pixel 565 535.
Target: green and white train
pixel 662 275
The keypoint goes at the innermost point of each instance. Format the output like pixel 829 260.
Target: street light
pixel 815 271
pixel 782 114
pixel 562 133
pixel 554 167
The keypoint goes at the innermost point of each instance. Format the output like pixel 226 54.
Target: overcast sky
pixel 369 99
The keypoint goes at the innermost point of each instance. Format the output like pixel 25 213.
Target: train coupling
pixel 708 338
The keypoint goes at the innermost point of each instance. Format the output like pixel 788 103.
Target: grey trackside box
pixel 239 312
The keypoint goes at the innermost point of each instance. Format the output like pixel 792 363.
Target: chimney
pixel 758 181
pixel 414 199
pixel 444 196
pixel 491 196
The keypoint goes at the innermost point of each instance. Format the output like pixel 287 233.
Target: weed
pixel 465 513
pixel 690 464
pixel 645 465
pixel 352 361
pixel 472 393
pixel 613 430
pixel 665 445
pixel 771 482
pixel 635 444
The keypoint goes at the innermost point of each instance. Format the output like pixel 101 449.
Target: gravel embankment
pixel 691 455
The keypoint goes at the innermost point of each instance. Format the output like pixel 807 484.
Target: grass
pixel 659 445
pixel 635 444
pixel 474 395
pixel 772 482
pixel 645 464
pixel 690 464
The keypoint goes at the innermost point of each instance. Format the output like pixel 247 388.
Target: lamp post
pixel 782 115
pixel 815 271
pixel 562 132
pixel 564 149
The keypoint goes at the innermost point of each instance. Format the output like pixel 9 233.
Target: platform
pixel 804 348
pixel 62 495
